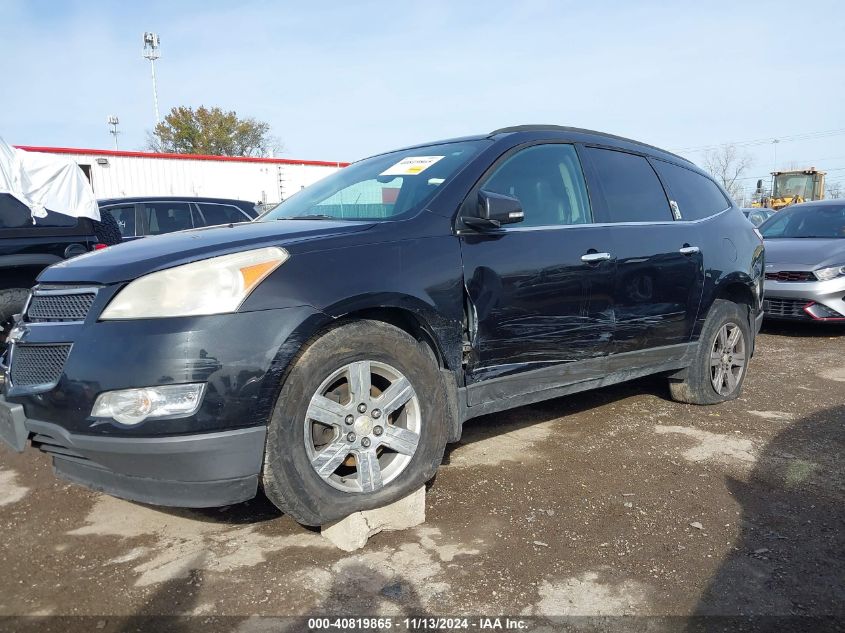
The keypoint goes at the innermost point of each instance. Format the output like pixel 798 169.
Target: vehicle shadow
pixel 800 328
pixel 491 425
pixel 260 509
pixel 788 559
pixel 256 510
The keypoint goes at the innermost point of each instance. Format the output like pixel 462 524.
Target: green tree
pixel 211 131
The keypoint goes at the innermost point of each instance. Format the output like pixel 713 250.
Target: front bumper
pixel 239 356
pixel 795 300
pixel 200 470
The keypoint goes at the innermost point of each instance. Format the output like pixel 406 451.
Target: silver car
pixel 805 262
pixel 757 216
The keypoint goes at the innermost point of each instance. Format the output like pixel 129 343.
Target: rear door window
pixel 630 188
pixel 167 217
pixel 697 197
pixel 125 217
pixel 221 214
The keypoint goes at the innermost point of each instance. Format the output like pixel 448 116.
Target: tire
pixel 12 301
pixel 107 230
pixel 714 363
pixel 297 444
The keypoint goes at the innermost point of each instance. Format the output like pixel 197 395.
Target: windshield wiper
pixel 314 216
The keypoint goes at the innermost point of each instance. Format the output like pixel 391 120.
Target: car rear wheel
pixel 360 422
pixel 718 369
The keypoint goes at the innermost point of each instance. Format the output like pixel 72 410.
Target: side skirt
pixel 629 366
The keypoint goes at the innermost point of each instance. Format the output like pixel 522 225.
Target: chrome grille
pixel 791 275
pixel 37 365
pixel 59 307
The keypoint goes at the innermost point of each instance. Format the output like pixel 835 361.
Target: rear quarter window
pixel 697 196
pixel 125 218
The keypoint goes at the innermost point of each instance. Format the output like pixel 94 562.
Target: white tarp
pixel 44 181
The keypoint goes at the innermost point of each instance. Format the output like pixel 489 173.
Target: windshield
pixel 379 188
pixel 791 185
pixel 825 221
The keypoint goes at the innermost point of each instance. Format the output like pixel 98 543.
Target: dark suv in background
pixel 332 348
pixel 27 248
pixel 154 215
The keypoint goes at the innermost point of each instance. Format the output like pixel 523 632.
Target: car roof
pixel 582 135
pixel 173 199
pixel 819 203
pixel 597 137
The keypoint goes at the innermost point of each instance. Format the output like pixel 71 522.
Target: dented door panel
pixel 535 304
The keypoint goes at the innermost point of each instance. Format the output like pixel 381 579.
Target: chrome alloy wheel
pixel 362 427
pixel 727 359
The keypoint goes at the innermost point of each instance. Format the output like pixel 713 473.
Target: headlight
pixel 133 406
pixel 825 274
pixel 211 286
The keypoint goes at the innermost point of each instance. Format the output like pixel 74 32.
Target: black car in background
pixel 27 248
pixel 154 215
pixel 331 349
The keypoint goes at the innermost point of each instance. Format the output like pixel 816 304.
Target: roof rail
pixel 564 128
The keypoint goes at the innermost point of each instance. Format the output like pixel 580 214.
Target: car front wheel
pixel 360 422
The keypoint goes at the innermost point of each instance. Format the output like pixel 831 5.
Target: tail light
pixel 99 247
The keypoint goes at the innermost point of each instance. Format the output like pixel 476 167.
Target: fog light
pixel 133 406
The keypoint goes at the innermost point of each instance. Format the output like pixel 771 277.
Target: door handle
pixel 595 258
pixel 689 250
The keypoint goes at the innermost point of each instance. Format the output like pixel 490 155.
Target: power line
pixel 768 175
pixel 765 141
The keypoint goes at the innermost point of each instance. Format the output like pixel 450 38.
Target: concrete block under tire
pixel 353 532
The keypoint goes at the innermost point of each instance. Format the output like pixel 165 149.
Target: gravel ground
pixel 617 501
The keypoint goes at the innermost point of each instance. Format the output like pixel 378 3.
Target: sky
pixel 342 80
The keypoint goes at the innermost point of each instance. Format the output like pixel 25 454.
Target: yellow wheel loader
pixel 791 187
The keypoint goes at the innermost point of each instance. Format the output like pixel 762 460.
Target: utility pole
pixel 151 52
pixel 113 122
pixel 775 145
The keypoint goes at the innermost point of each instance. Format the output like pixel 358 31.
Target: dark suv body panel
pixel 513 315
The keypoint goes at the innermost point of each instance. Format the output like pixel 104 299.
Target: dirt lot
pixel 617 501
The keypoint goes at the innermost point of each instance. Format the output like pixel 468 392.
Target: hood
pixel 811 253
pixel 131 260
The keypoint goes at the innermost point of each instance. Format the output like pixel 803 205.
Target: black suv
pixel 27 248
pixel 331 349
pixel 154 215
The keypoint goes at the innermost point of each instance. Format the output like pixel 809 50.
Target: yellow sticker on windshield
pixel 411 166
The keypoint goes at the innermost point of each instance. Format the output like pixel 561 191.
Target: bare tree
pixel 834 190
pixel 727 165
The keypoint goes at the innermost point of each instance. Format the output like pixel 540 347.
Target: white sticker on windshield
pixel 411 166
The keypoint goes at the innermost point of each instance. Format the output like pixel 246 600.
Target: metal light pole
pixel 151 52
pixel 113 122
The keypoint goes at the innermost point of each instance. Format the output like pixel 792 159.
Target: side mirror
pixel 494 210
